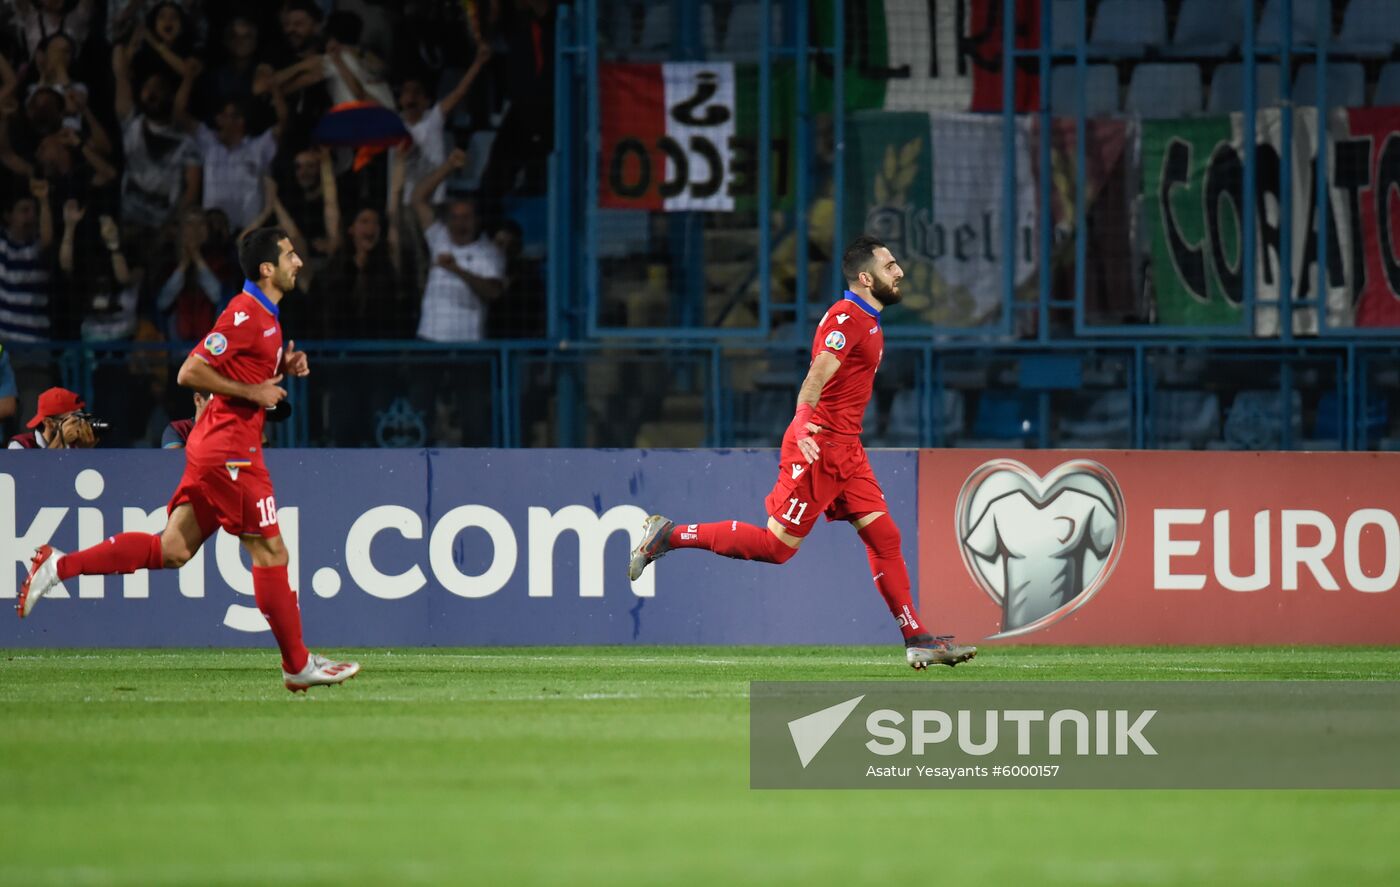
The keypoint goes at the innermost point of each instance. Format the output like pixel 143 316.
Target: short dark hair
pixel 858 256
pixel 258 247
pixel 345 27
pixel 310 7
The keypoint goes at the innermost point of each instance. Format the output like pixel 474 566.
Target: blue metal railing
pixel 617 394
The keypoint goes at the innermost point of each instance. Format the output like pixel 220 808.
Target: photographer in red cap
pixel 61 423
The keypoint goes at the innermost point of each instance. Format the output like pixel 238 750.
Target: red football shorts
pixel 236 496
pixel 840 484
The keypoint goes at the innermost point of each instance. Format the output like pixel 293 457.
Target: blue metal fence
pixel 1044 372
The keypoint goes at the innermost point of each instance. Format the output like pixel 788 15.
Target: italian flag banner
pixel 667 131
pixel 684 136
pixel 1367 163
pixel 925 55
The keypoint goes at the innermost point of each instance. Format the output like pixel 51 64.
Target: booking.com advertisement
pixel 452 547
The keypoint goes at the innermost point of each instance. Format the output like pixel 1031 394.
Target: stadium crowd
pixel 140 138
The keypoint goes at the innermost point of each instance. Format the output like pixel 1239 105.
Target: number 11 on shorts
pixel 267 512
pixel 793 506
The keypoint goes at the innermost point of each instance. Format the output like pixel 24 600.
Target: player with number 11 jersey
pixel 823 467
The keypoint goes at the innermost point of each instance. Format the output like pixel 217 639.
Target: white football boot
pixel 43 576
pixel 924 650
pixel 320 671
pixel 656 541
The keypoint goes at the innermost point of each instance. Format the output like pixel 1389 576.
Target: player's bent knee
pixel 266 551
pixel 173 558
pixel 882 536
pixel 779 551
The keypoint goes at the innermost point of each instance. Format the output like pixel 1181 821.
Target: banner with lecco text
pixel 1119 547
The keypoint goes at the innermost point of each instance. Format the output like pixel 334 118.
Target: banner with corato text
pixel 1193 199
pixel 1119 547
pixel 446 548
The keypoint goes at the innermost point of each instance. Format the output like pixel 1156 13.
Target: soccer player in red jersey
pixel 225 483
pixel 823 467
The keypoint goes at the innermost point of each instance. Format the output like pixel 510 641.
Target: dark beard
pixel 886 293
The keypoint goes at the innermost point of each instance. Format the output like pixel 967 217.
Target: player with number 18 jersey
pixel 225 478
pixel 225 484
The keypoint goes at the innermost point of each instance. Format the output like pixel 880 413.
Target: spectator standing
pixel 104 286
pixel 37 21
pixel 467 268
pixel 235 163
pixel 24 269
pixel 190 296
pixel 520 311
pixel 162 174
pixel 526 134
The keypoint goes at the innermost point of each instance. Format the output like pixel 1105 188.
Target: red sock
pixel 122 553
pixel 278 603
pixel 733 539
pixel 891 575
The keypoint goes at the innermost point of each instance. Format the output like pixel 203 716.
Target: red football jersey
pixel 246 346
pixel 850 330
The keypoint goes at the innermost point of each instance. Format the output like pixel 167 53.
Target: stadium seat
pixel 1127 28
pixel 1227 88
pixel 1185 419
pixel 1164 90
pixel 656 30
pixel 1328 425
pixel 1004 418
pixel 1270 30
pixel 1208 28
pixel 1346 85
pixel 1100 91
pixel 1107 423
pixel 1255 420
pixel 1388 87
pixel 1065 24
pixel 741 34
pixel 1370 29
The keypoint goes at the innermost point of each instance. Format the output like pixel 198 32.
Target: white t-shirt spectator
pixel 154 180
pixel 452 311
pixel 373 83
pixel 233 176
pixel 427 153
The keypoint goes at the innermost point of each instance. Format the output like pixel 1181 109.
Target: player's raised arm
pixel 823 368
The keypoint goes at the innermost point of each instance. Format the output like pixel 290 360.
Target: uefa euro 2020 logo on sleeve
pixel 1040 547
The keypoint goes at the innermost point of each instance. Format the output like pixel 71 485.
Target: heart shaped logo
pixel 1041 548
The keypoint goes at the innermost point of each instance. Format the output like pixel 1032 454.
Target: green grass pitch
pixel 613 766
